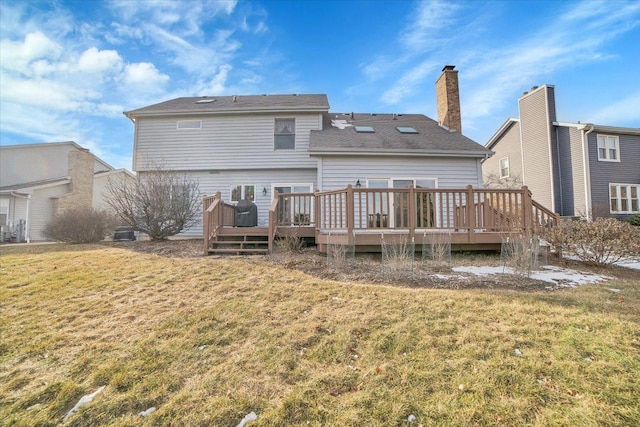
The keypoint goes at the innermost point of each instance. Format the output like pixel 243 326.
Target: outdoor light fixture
pixel 358 185
pixel 264 191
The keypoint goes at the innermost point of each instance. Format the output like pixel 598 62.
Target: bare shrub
pixel 79 225
pixel 521 252
pixel 600 242
pixel 398 256
pixel 493 180
pixel 341 253
pixel 436 249
pixel 159 202
pixel 634 220
pixel 290 241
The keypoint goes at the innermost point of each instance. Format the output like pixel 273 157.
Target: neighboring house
pixel 38 181
pixel 251 146
pixel 574 169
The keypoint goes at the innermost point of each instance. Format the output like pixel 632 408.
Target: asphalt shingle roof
pixel 225 104
pixel 339 135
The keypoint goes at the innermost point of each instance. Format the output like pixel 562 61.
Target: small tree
pixel 159 202
pixel 79 225
pixel 492 180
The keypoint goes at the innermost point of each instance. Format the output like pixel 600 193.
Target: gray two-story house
pixel 250 147
pixel 574 169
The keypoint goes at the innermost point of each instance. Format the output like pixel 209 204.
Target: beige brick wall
pixel 81 164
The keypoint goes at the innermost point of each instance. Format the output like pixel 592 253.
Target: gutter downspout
pixel 587 172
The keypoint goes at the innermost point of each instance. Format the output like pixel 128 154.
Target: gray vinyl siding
pixel 339 171
pixel 210 183
pixel 41 209
pixel 570 174
pixel 507 146
pixel 626 171
pixel 31 163
pixel 536 145
pixel 225 142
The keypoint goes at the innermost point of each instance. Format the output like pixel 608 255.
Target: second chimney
pixel 448 99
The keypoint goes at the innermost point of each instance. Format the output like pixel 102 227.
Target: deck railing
pixel 463 211
pixel 217 214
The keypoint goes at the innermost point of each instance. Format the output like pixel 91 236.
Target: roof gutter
pixel 439 153
pixel 132 114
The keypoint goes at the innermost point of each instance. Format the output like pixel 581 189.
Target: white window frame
pixel 243 192
pixel 607 148
pixel 629 200
pixel 500 167
pixel 275 134
pixel 186 127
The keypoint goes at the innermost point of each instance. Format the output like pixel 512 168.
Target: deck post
pixel 205 230
pixel 273 220
pixel 527 209
pixel 471 214
pixel 316 207
pixel 413 213
pixel 350 210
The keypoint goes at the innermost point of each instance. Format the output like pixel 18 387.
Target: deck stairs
pixel 240 241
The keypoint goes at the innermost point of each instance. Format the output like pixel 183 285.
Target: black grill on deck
pixel 246 214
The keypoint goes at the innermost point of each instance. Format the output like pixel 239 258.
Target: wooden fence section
pixel 217 214
pixel 470 216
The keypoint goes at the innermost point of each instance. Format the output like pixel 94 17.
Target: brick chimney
pixel 448 99
pixel 81 163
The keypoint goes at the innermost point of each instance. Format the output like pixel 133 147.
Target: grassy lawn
pixel 208 340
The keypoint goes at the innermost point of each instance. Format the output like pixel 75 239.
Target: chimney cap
pixel 448 68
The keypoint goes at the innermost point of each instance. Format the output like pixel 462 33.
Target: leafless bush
pixel 398 256
pixel 600 242
pixel 436 249
pixel 290 241
pixel 521 252
pixel 79 225
pixel 492 180
pixel 159 202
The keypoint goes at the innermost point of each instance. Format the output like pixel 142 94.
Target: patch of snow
pixel 563 277
pixel 340 124
pixel 83 401
pixel 251 416
pixel 483 270
pixel 518 352
pixel 411 418
pixel 629 263
pixel 614 290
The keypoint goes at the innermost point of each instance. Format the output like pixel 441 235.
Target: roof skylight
pixel 406 129
pixel 364 129
pixel 205 100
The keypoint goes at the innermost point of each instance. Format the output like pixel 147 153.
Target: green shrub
pixel 600 242
pixel 634 220
pixel 79 225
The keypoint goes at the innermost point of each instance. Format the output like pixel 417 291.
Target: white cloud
pixel 144 73
pixel 17 55
pixel 429 20
pixel 97 61
pixel 407 83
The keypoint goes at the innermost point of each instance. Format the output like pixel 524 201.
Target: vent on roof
pixel 205 100
pixel 406 129
pixel 364 129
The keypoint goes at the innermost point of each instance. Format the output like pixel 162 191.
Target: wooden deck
pixel 365 217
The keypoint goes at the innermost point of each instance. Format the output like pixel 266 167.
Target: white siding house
pixel 251 146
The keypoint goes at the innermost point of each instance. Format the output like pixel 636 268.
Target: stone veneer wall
pixel 81 164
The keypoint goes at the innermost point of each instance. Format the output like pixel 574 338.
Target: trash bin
pixel 246 214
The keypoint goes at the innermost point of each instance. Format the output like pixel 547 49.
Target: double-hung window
pixel 285 134
pixel 504 168
pixel 624 198
pixel 608 148
pixel 240 192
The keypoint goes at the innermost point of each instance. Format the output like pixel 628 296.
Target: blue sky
pixel 68 69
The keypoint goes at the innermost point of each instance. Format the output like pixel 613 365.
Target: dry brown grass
pixel 208 340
